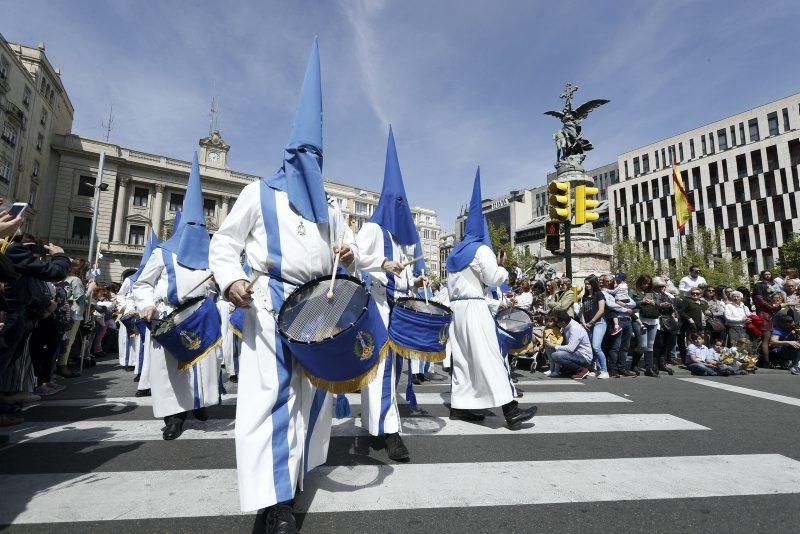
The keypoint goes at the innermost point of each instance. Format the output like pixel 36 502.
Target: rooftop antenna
pixel 109 123
pixel 213 114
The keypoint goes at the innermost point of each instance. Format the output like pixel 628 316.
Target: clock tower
pixel 214 151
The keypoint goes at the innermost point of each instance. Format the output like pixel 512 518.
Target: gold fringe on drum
pixel 412 354
pixel 182 366
pixel 346 386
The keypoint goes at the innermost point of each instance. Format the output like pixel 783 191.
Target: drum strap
pixel 172 280
pixel 466 298
pixel 388 253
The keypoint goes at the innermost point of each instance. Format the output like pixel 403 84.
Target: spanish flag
pixel 683 207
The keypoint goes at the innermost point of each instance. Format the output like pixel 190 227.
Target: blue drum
pixel 515 324
pixel 191 332
pixel 129 322
pixel 419 330
pixel 337 340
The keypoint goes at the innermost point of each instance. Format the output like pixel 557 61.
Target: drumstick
pixel 249 286
pixel 335 265
pixel 409 262
pixel 424 287
pixel 203 281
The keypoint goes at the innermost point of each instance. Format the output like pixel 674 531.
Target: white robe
pixel 379 413
pixel 480 376
pixel 443 297
pixel 127 347
pixel 283 423
pixel 230 341
pixel 175 391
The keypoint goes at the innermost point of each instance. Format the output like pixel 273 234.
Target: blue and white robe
pixel 283 422
pixel 128 347
pixel 379 413
pixel 175 391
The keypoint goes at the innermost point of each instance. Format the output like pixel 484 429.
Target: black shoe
pixel 514 380
pixel 174 428
pixel 515 417
pixel 65 372
pixel 519 393
pixel 279 519
pixel 613 374
pixel 433 377
pixel 667 370
pixel 129 367
pixel 465 415
pixel 416 381
pixel 233 378
pixel 396 448
pixel 201 414
pixel 137 377
pixel 650 372
pixel 143 392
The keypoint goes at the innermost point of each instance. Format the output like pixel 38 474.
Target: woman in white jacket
pixel 735 315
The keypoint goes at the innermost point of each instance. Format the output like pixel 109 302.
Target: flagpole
pixel 97 182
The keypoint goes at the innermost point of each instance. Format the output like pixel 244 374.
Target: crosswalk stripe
pixel 794 401
pixel 60 498
pixel 216 429
pixel 521 383
pixel 355 399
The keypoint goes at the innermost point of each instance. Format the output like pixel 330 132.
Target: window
pixel 636 166
pixel 741 133
pixel 752 126
pixel 35 171
pixel 209 207
pixel 772 158
pixel 770 184
pixel 713 173
pixel 696 178
pixel 645 164
pixel 664 157
pixel 738 190
pixel 755 158
pixel 772 123
pixel 722 138
pixel 43 119
pixel 5 170
pixel 140 196
pixel 9 134
pixel 27 97
pixel 691 148
pixel 763 212
pixel 175 202
pixel 733 219
pixel 733 136
pixel 627 175
pixel 671 154
pixel 741 165
pixel 755 188
pixel 645 192
pixel 785 113
pixel 654 187
pixel 663 204
pixel 3 68
pixel 86 186
pixel 724 169
pixel 362 207
pixel 711 148
pixel 136 235
pixel 32 196
pixel 680 151
pixel 39 143
pixel 703 144
pixel 657 164
pixel 81 227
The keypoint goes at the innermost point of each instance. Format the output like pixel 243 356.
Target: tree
pixel 632 258
pixel 704 248
pixel 789 253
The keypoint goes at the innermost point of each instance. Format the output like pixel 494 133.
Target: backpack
pixel 40 299
pixel 63 311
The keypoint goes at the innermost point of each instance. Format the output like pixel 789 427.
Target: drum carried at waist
pixel 337 341
pixel 190 332
pixel 516 326
pixel 419 330
pixel 129 322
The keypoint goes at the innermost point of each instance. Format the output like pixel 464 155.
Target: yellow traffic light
pixel 584 203
pixel 559 199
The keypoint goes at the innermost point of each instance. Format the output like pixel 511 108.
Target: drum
pixel 337 341
pixel 419 330
pixel 191 332
pixel 518 324
pixel 129 322
pixel 236 321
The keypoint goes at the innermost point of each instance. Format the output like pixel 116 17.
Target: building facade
pixel 741 174
pixel 34 111
pixel 446 243
pixel 507 212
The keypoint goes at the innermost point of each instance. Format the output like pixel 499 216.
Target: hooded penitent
pixel 152 243
pixel 301 174
pixel 475 232
pixel 393 212
pixel 190 240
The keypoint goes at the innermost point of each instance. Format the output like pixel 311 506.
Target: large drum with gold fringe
pixel 336 340
pixel 419 330
pixel 191 332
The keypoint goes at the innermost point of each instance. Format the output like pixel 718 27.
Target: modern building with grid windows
pixel 741 174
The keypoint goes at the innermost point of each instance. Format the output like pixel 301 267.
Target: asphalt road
pixel 730 462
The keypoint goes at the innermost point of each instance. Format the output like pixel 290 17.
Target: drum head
pixel 514 319
pixel 419 305
pixel 309 316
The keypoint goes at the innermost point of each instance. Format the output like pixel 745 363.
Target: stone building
pixel 34 111
pixel 741 174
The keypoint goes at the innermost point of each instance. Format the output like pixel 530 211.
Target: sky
pixel 462 82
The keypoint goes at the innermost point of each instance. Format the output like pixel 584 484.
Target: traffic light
pixel 559 200
pixel 552 237
pixel 584 203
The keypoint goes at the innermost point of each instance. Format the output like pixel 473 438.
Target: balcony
pixel 14 111
pixel 123 249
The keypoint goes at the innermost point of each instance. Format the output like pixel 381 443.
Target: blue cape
pixel 190 240
pixel 301 174
pixel 152 243
pixel 476 232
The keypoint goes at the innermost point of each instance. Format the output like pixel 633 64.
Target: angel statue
pixel 570 146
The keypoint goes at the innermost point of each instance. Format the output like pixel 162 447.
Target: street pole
pixel 97 183
pixel 567 249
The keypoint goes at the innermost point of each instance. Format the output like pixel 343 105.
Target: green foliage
pixel 704 248
pixel 633 258
pixel 789 254
pixel 502 241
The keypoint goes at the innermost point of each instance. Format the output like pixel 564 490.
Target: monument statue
pixel 571 148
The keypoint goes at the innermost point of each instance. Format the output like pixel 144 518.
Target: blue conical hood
pixel 393 212
pixel 475 230
pixel 190 240
pixel 301 174
pixel 152 243
pixel 176 222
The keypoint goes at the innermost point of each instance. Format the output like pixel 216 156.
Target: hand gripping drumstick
pixel 249 286
pixel 409 262
pixel 335 266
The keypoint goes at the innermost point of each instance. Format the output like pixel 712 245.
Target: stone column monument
pixel 589 254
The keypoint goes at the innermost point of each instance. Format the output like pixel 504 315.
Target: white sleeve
pixel 227 245
pixel 143 292
pixel 491 274
pixel 349 238
pixel 370 248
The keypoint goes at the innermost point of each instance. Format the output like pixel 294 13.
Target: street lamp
pixel 99 187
